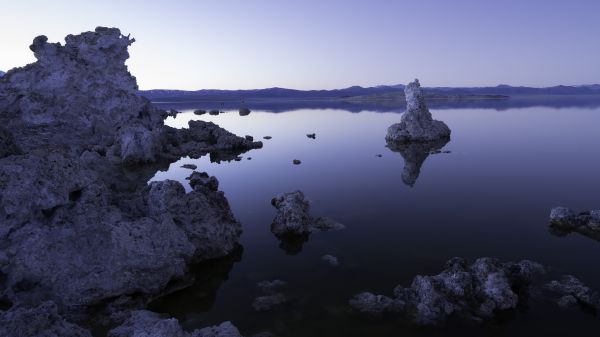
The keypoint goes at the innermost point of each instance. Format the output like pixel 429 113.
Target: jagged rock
pixel 572 291
pixel 40 321
pixel 414 155
pixel 244 112
pixel 564 221
pixel 144 323
pixel 477 290
pixel 189 166
pixel 203 179
pixel 311 135
pixel 199 112
pixel 331 260
pixel 416 124
pixel 79 225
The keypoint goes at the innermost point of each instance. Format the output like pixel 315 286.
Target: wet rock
pixel 574 292
pixel 146 323
pixel 331 260
pixel 417 124
pixel 414 155
pixel 42 320
pixel 267 137
pixel 189 166
pixel 311 135
pixel 292 216
pixel 214 112
pixel 249 138
pixel 244 112
pixel 296 162
pixel 564 221
pixel 198 179
pixel 199 112
pixel 476 290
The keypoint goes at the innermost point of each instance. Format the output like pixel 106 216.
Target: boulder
pixel 417 124
pixel 564 221
pixel 244 112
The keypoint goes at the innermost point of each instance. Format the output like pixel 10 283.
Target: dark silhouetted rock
pixel 214 112
pixel 189 166
pixel 199 112
pixel 477 290
pixel 244 112
pixel 267 137
pixel 311 135
pixel 296 162
pixel 417 124
pixel 573 292
pixel 564 221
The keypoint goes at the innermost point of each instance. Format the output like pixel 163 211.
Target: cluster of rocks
pixel 572 292
pixel 477 290
pixel 79 225
pixel 564 221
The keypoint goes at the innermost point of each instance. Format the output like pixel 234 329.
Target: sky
pixel 325 44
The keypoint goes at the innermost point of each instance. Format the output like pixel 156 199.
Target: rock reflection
pixel 414 155
pixel 198 292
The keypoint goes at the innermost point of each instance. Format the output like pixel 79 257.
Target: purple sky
pixel 328 44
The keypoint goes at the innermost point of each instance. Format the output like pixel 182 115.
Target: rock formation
pixel 476 290
pixel 564 221
pixel 244 111
pixel 414 155
pixel 573 292
pixel 79 226
pixel 416 124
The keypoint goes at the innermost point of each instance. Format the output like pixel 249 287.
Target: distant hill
pixel 357 93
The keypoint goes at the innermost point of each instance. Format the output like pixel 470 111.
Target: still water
pixel 488 193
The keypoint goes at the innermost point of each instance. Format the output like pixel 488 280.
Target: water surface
pixel 490 196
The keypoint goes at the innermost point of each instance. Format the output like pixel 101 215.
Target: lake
pixel 488 192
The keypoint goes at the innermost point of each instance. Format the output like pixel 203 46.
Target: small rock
pixel 331 260
pixel 296 162
pixel 172 112
pixel 203 179
pixel 249 158
pixel 267 137
pixel 249 138
pixel 214 112
pixel 379 155
pixel 189 166
pixel 268 302
pixel 237 158
pixel 199 112
pixel 244 112
pixel 311 135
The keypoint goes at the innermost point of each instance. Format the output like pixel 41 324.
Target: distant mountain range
pixel 357 92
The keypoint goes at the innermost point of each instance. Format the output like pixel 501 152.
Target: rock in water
pixel 564 221
pixel 199 112
pixel 244 112
pixel 476 290
pixel 79 225
pixel 416 124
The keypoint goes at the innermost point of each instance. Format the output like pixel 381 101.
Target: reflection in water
pixel 201 293
pixel 292 244
pixel 414 155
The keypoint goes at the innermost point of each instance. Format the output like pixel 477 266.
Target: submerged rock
pixel 573 292
pixel 331 260
pixel 146 323
pixel 244 112
pixel 564 221
pixel 273 296
pixel 414 155
pixel 476 290
pixel 417 124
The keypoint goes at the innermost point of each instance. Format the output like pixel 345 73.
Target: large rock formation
pixel 564 221
pixel 79 225
pixel 476 290
pixel 416 124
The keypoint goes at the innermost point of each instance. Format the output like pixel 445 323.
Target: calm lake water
pixel 490 196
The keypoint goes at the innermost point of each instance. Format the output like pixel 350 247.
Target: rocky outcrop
pixel 417 124
pixel 41 320
pixel 414 155
pixel 476 290
pixel 564 221
pixel 146 323
pixel 79 225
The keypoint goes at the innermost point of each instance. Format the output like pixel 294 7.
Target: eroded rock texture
pixel 564 221
pixel 416 124
pixel 476 290
pixel 79 226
